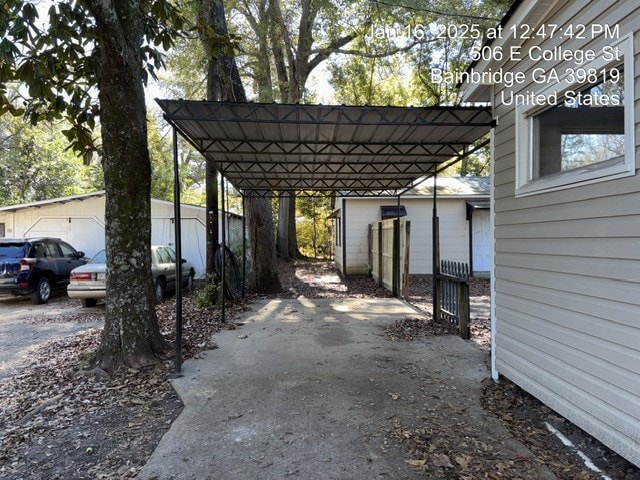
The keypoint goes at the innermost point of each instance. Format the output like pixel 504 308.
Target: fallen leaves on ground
pixel 450 449
pixel 412 328
pixel 60 421
pixel 525 416
pixel 421 292
pixel 320 279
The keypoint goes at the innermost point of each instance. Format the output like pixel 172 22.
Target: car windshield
pixel 12 250
pixel 100 257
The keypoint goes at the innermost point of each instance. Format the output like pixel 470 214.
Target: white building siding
pixel 567 272
pixel 454 231
pixel 81 223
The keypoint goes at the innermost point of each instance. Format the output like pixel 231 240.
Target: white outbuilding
pixel 463 210
pixel 79 220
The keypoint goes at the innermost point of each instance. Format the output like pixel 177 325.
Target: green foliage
pixel 391 63
pixel 209 294
pixel 35 164
pixel 373 81
pixel 56 58
pixel 476 164
pixel 312 227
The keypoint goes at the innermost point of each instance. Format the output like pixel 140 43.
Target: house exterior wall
pixel 567 266
pixel 454 232
pixel 81 223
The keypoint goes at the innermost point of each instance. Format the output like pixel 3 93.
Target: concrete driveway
pixel 308 388
pixel 25 326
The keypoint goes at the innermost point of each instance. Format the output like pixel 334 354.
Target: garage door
pixel 82 233
pixel 481 241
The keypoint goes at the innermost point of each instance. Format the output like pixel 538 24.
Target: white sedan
pixel 89 282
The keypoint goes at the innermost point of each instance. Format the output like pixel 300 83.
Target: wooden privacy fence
pixel 453 283
pixel 389 254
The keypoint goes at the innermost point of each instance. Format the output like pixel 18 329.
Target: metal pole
pixel 223 253
pixel 178 240
pixel 397 248
pixel 470 211
pixel 244 243
pixel 344 236
pixel 436 250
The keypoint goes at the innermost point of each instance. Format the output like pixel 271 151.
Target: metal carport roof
pixel 351 149
pixel 357 149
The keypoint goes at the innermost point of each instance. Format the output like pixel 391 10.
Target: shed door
pixel 87 234
pixel 83 233
pixel 481 241
pixel 50 227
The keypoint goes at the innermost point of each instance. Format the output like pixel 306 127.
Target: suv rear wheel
pixel 43 291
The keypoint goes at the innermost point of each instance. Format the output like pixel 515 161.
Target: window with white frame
pixel 587 134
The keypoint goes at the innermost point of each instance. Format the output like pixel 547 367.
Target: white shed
pixel 463 212
pixel 566 199
pixel 79 220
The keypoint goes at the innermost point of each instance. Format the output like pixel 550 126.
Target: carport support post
pixel 470 210
pixel 223 253
pixel 397 290
pixel 436 251
pixel 244 243
pixel 178 240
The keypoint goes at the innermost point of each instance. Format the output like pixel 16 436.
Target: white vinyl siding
pixel 567 271
pixel 80 222
pixel 454 231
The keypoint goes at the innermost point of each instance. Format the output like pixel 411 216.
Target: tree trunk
pixel 260 220
pixel 211 190
pixel 294 251
pixel 131 334
pixel 283 226
pixel 224 84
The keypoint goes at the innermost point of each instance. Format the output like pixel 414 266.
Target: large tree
pixel 131 330
pixel 287 41
pixel 224 84
pixel 282 56
pixel 108 45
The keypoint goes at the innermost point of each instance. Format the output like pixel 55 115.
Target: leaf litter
pixel 60 421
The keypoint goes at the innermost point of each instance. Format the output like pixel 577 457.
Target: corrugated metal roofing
pixel 458 186
pixel 276 147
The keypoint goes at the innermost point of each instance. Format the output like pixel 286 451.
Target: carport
pixel 316 149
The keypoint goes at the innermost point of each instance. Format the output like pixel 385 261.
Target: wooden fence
pixel 385 255
pixel 453 283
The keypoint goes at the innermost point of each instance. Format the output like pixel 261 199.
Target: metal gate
pixel 453 280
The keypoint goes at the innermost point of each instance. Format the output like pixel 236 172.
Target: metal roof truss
pixel 358 150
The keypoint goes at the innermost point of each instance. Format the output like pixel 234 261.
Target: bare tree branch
pixel 323 53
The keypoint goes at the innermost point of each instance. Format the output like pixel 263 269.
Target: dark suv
pixel 36 266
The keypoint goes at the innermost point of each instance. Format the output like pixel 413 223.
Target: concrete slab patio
pixel 308 389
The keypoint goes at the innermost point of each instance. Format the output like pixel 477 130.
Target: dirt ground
pixel 59 422
pixel 25 326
